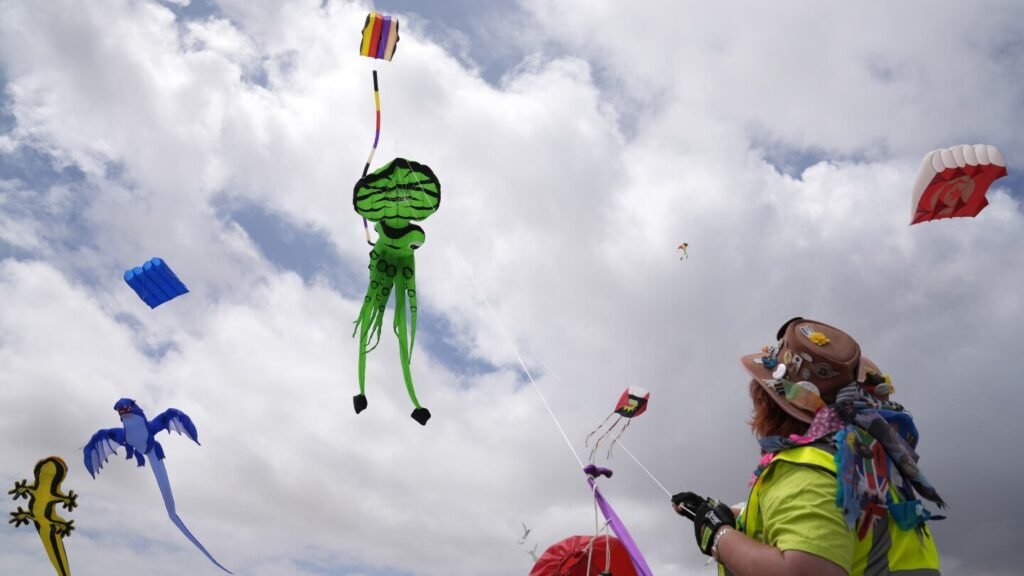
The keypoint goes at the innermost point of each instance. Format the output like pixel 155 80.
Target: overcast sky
pixel 577 142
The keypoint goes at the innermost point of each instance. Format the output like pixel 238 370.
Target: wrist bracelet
pixel 714 543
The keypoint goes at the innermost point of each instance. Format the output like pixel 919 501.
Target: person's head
pixel 801 373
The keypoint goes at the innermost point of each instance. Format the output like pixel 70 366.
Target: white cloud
pixel 566 189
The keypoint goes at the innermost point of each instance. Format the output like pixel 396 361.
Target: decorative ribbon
pixel 592 472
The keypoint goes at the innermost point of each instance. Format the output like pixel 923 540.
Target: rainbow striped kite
pixel 380 35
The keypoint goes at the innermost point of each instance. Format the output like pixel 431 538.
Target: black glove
pixel 708 516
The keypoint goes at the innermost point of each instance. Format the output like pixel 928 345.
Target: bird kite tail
pixel 165 490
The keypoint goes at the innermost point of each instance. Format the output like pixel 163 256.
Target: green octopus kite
pixel 394 196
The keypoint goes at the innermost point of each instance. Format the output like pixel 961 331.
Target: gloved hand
pixel 708 515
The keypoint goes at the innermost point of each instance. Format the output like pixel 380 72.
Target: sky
pixel 577 143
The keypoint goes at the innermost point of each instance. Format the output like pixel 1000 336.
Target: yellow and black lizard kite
pixel 43 496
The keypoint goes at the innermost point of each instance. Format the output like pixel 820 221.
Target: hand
pixel 686 504
pixel 708 515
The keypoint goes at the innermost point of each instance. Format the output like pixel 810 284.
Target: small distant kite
pixel 952 182
pixel 585 556
pixel 43 496
pixel 380 36
pixel 138 436
pixel 682 247
pixel 533 553
pixel 395 196
pixel 155 282
pixel 526 533
pixel 631 404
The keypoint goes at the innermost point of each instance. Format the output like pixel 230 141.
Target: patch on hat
pixel 803 395
pixel 824 370
pixel 813 335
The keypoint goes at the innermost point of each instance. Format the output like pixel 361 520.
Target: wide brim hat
pixel 808 365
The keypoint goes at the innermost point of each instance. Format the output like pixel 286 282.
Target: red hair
pixel 768 419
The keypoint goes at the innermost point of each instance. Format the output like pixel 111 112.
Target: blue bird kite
pixel 137 435
pixel 155 282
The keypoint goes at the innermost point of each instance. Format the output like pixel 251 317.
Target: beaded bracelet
pixel 714 543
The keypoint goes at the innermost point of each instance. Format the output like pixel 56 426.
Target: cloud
pixel 780 144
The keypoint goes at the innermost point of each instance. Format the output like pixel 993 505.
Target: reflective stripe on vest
pixel 886 549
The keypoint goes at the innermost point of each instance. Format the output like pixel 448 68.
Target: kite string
pixel 526 370
pixel 511 345
pixel 504 332
pixel 617 440
pixel 644 468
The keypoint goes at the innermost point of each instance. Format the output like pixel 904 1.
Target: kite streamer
pixel 376 139
pixel 614 521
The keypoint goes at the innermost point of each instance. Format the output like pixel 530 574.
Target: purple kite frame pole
pixel 615 522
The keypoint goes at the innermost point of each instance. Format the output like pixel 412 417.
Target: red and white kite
pixel 952 182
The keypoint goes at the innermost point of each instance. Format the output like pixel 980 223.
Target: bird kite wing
pixel 100 447
pixel 174 420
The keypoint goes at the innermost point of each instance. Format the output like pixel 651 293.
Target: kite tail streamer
pixel 613 520
pixel 376 138
pixel 615 439
pixel 586 441
pixel 165 490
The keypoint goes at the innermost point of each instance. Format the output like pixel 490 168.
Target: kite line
pixel 529 374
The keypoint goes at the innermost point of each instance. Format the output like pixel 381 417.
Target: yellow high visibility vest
pixel 884 550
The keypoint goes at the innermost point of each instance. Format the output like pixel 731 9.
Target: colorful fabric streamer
pixel 592 472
